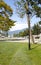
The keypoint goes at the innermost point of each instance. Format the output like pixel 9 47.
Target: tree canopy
pixel 5 13
pixel 40 22
pixel 34 6
pixel 36 29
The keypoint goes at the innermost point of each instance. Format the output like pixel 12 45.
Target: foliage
pixel 29 7
pixel 40 22
pixel 22 33
pixel 5 12
pixel 36 29
pixel 32 6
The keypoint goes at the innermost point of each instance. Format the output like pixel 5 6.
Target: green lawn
pixel 18 54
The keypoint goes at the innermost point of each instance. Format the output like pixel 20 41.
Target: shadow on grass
pixel 36 45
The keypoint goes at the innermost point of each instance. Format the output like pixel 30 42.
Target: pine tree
pixel 5 13
pixel 28 7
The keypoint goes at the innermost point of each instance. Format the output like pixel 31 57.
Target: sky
pixel 20 23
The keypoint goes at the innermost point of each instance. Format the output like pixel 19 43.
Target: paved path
pixel 18 41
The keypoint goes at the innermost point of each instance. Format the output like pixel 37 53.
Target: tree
pixel 40 25
pixel 40 22
pixel 24 33
pixel 28 7
pixel 5 12
pixel 36 29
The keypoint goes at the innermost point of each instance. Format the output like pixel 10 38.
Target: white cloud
pixel 22 23
pixel 19 26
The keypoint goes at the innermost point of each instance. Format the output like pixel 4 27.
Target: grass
pixel 18 54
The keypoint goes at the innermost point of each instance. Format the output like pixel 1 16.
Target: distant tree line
pixel 36 29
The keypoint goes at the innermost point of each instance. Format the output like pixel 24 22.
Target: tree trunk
pixel 29 30
pixel 28 16
pixel 31 36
